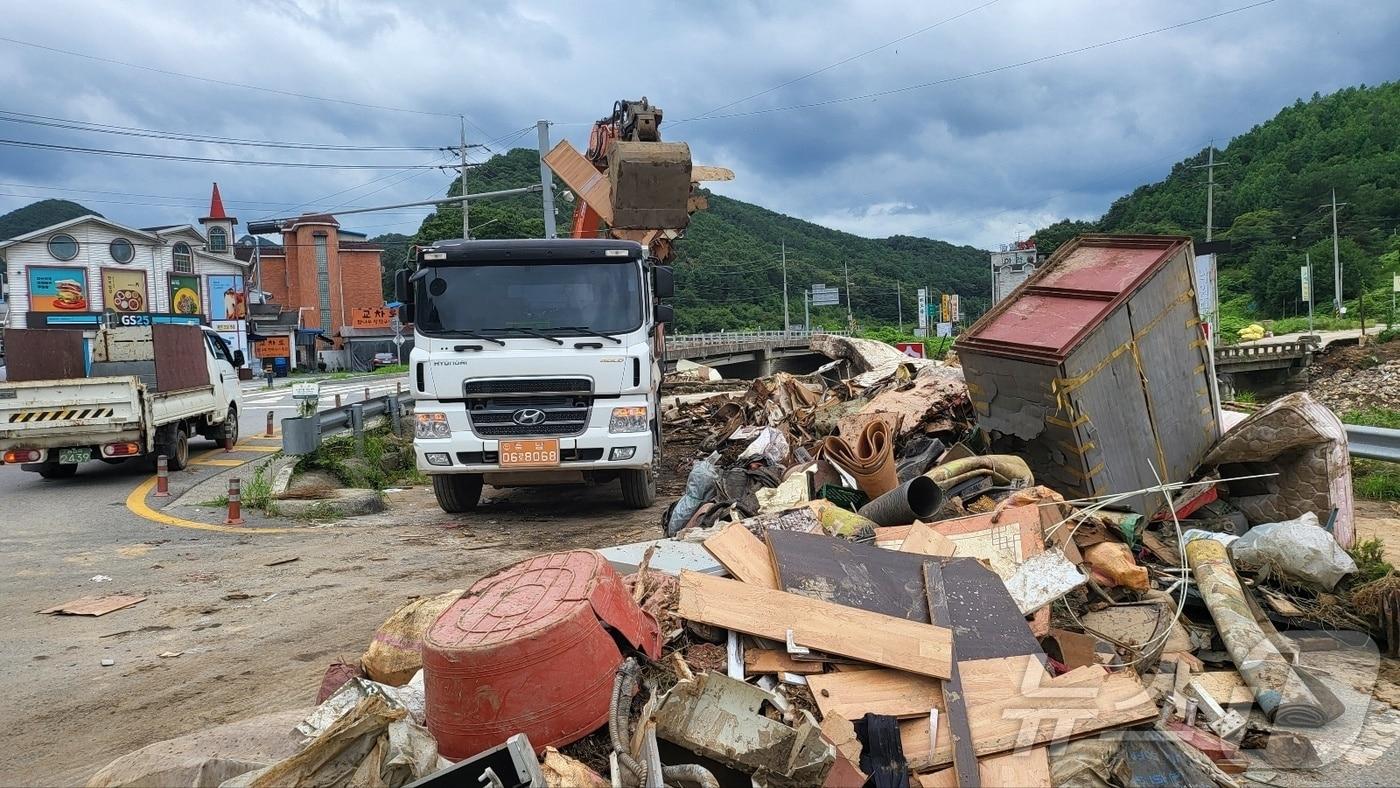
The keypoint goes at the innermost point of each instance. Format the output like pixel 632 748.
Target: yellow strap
pixel 1082 476
pixel 1069 425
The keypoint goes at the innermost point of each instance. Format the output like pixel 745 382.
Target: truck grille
pixel 529 407
pixel 565 455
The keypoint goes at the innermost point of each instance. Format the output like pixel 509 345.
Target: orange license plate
pixel 543 453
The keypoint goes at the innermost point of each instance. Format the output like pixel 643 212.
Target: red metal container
pixel 531 649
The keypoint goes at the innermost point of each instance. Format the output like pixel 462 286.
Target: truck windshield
pixel 601 297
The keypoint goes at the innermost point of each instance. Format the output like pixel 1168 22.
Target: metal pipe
pixel 916 499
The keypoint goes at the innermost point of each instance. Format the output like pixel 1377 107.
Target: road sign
pixel 398 338
pixel 306 390
pixel 923 309
pixel 1306 283
pixel 1395 285
pixel 825 296
pixel 910 349
pixel 945 329
pixel 954 312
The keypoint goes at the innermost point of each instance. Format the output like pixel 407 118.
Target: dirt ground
pixel 1380 520
pixel 253 638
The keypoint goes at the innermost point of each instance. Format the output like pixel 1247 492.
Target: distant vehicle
pixel 383 360
pixel 121 411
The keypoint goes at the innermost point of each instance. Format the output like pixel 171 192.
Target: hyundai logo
pixel 528 417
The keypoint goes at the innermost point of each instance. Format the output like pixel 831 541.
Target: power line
pixel 994 70
pixel 206 159
pixel 244 85
pixel 11 116
pixel 840 63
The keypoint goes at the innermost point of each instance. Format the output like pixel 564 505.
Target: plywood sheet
pixel 43 354
pixel 764 660
pixel 922 539
pixel 850 573
pixel 883 640
pixel 891 692
pixel 582 178
pixel 94 605
pixel 743 555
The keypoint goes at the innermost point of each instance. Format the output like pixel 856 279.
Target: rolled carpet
pixel 869 457
pixel 1280 692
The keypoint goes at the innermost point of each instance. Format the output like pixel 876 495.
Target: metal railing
pixel 743 337
pixel 1373 443
pixel 1270 351
pixel 302 435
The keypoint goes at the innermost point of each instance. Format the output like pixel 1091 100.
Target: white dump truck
pixel 118 394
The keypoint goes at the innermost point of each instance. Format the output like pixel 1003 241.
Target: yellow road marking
pixel 136 504
pixel 245 447
pixel 221 463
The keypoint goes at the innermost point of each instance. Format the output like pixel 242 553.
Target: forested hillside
pixel 1272 200
pixel 728 267
pixel 36 215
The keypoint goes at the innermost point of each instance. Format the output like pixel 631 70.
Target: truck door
pixel 221 371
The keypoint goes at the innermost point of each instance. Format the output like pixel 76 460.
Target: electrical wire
pixel 204 159
pixel 11 116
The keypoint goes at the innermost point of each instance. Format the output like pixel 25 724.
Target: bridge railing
pixel 1268 351
pixel 679 341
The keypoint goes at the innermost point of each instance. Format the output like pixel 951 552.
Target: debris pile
pixel 870 581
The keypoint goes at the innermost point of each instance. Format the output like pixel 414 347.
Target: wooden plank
pixel 1081 702
pixel 579 174
pixel 922 539
pixel 954 699
pixel 850 573
pixel 853 694
pixel 743 555
pixel 94 605
pixel 850 632
pixel 763 660
pixel 1029 769
pixel 986 618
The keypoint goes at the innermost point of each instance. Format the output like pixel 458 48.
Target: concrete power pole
pixel 1336 256
pixel 850 316
pixel 1209 167
pixel 546 180
pixel 899 304
pixel 807 309
pixel 466 206
pixel 786 322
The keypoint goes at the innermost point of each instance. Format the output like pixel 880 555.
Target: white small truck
pixel 53 426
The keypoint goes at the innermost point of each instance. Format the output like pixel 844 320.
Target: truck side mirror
pixel 402 289
pixel 665 313
pixel 239 359
pixel 663 281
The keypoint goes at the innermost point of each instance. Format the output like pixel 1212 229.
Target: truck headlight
pixel 431 425
pixel 628 420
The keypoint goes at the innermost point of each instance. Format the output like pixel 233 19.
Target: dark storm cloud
pixel 977 160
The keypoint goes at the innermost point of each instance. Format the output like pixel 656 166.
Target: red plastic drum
pixel 531 650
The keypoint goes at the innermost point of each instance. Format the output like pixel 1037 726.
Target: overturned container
pixel 531 649
pixel 1096 371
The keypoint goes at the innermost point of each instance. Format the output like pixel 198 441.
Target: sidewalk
pixel 197 494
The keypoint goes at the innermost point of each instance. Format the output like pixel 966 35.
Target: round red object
pixel 528 650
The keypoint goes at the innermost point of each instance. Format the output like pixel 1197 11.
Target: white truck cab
pixel 536 362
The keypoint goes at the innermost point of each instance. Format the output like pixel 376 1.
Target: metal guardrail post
pixel 395 416
pixel 357 425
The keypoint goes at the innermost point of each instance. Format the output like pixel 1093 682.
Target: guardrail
pixel 1268 351
pixel 743 337
pixel 303 434
pixel 1373 443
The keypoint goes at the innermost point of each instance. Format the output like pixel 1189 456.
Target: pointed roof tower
pixel 216 209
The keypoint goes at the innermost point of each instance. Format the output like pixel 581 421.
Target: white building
pixel 78 273
pixel 1011 266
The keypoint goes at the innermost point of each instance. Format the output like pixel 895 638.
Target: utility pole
pixel 546 180
pixel 1336 256
pixel 899 304
pixel 1209 167
pixel 786 323
pixel 807 309
pixel 850 316
pixel 1307 260
pixel 466 206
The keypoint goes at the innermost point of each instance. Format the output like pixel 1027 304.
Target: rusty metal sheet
pixel 44 354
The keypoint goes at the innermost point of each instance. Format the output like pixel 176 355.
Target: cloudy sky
pixel 960 120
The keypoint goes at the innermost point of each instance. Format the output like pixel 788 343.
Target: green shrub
pixel 1370 561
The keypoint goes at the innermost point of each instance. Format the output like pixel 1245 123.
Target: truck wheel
pixel 457 492
pixel 638 488
pixel 56 471
pixel 228 431
pixel 175 445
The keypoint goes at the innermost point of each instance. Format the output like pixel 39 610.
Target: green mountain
pixel 1272 204
pixel 729 271
pixel 37 215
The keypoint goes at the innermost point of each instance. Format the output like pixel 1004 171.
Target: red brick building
pixel 321 281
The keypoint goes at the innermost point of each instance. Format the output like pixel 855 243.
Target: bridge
pixel 759 350
pixel 1263 368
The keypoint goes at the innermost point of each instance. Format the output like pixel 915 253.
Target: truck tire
pixel 638 488
pixel 56 471
pixel 228 431
pixel 457 492
pixel 174 443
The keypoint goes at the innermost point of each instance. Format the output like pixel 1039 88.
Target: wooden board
pixel 181 357
pixel 1029 769
pixel 763 660
pixel 94 605
pixel 43 354
pixel 954 699
pixel 884 640
pixel 1226 686
pixel 987 620
pixel 850 573
pixel 582 178
pixel 1081 702
pixel 743 555
pixel 852 695
pixel 922 539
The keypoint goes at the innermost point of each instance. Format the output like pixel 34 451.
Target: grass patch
pixel 1370 561
pixel 1375 480
pixel 392 369
pixel 387 460
pixel 1373 417
pixel 1246 397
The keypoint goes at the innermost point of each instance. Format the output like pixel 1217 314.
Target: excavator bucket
pixel 650 185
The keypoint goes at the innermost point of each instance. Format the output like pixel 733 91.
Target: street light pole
pixel 786 322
